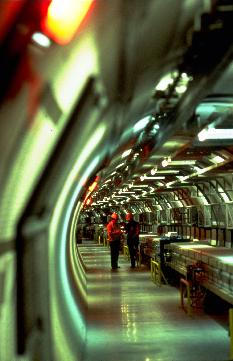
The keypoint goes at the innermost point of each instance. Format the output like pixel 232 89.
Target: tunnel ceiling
pixel 180 152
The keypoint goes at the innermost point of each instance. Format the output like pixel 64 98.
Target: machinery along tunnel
pixel 116 106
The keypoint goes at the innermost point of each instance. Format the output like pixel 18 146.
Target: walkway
pixel 130 319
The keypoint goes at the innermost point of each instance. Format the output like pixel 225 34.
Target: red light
pixel 88 202
pixel 63 19
pixel 93 186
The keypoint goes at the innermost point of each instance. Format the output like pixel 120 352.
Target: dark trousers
pixel 115 248
pixel 133 248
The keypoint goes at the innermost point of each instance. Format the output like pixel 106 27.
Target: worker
pixel 132 228
pixel 114 237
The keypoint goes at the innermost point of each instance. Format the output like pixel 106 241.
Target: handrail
pixel 156 272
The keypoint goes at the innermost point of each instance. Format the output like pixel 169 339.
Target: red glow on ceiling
pixel 88 201
pixel 93 186
pixel 64 18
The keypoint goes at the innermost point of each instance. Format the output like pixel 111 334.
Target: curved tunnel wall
pixel 50 274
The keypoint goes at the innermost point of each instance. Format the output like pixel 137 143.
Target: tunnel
pixel 115 106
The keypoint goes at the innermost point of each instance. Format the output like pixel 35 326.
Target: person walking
pixel 114 237
pixel 132 228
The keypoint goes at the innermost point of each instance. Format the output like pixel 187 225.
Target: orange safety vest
pixel 114 231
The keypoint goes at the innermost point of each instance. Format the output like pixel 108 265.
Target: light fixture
pixel 41 39
pixel 197 169
pixel 157 177
pixel 213 133
pixel 140 186
pixel 141 124
pixel 217 159
pixel 164 163
pixel 182 162
pixel 122 192
pixel 168 171
pixel 126 153
pixel 182 178
pixel 166 80
pixel 180 89
pixel 156 126
pixel 153 171
pixel 93 186
pixel 185 76
pixel 63 19
pixel 119 165
pixel 118 196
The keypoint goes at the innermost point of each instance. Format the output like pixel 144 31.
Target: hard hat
pixel 114 216
pixel 128 216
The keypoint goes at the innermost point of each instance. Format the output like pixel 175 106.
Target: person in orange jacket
pixel 114 237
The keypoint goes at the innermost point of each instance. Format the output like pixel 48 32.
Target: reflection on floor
pixel 132 319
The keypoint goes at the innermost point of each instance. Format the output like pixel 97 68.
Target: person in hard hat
pixel 114 237
pixel 132 228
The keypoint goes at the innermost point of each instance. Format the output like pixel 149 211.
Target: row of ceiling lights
pixel 125 195
pixel 178 82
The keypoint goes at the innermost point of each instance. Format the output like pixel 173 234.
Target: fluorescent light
pixel 41 40
pixel 185 76
pixel 212 133
pixel 165 82
pixel 159 177
pixel 127 192
pixel 120 165
pixel 197 169
pixel 153 171
pixel 168 171
pixel 217 159
pixel 165 163
pixel 126 153
pixel 141 123
pixel 118 196
pixel 180 89
pixel 182 178
pixel 182 162
pixel 140 186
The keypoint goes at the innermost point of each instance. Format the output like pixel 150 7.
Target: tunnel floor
pixel 130 318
